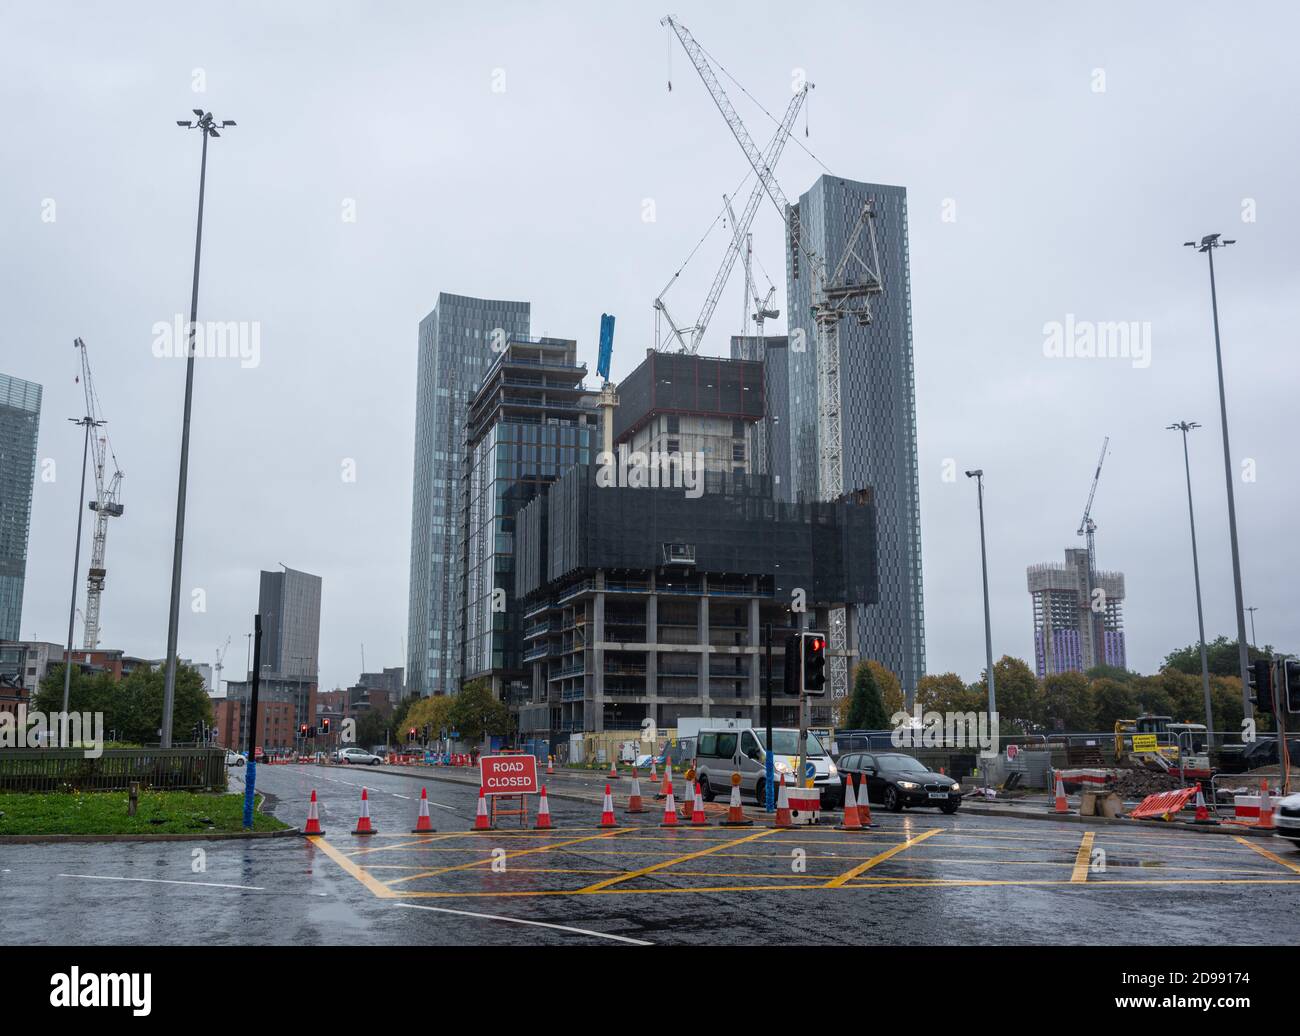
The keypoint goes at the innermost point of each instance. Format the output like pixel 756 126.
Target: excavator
pixel 1158 743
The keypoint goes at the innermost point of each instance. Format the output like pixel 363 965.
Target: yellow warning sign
pixel 1145 743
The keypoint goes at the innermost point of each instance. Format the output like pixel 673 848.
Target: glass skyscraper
pixel 289 603
pixel 20 419
pixel 878 407
pixel 455 351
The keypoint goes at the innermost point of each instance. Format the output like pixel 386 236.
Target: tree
pixel 1068 703
pixel 1113 701
pixel 867 707
pixel 1220 653
pixel 946 692
pixel 435 711
pixel 475 712
pixel 132 707
pixel 1019 698
pixel 891 690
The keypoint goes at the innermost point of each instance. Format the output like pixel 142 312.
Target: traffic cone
pixel 613 771
pixel 783 818
pixel 851 821
pixel 543 813
pixel 481 821
pixel 313 817
pixel 653 775
pixel 422 822
pixel 550 766
pixel 1202 810
pixel 698 819
pixel 634 798
pixel 607 810
pixel 735 811
pixel 864 805
pixel 670 807
pixel 1265 808
pixel 667 784
pixel 1061 805
pixel 364 827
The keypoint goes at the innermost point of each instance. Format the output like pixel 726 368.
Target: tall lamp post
pixel 1208 244
pixel 88 423
pixel 1185 427
pixel 978 476
pixel 207 127
pixel 1252 609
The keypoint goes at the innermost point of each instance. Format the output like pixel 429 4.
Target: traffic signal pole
pixel 250 764
pixel 769 756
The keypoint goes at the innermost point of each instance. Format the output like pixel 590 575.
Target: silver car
pixel 721 752
pixel 358 756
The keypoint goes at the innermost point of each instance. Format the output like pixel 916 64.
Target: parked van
pixel 720 752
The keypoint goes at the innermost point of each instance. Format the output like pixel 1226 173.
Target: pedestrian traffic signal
pixel 1261 685
pixel 1291 684
pixel 814 663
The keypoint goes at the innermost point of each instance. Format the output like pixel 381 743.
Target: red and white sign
pixel 508 774
pixel 1012 751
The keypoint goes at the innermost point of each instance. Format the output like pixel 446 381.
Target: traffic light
pixel 1261 685
pixel 814 663
pixel 325 725
pixel 411 734
pixel 793 663
pixel 302 730
pixel 1291 684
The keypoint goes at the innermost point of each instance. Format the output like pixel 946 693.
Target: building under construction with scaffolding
pixel 1065 626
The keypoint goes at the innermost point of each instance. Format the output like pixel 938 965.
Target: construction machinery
pixel 1156 742
pixel 1097 608
pixel 106 504
pixel 847 290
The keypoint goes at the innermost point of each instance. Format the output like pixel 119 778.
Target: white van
pixel 720 752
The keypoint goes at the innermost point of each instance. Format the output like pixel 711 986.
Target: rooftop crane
pixel 220 665
pixel 689 338
pixel 1088 528
pixel 105 505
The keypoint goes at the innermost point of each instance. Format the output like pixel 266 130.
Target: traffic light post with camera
pixel 1275 690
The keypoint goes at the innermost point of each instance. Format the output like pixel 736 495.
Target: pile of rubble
pixel 1138 784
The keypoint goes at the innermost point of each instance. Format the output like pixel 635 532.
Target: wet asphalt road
pixel 917 878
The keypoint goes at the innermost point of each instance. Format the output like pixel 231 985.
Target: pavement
pixel 917 878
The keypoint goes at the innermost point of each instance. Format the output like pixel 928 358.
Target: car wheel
pixel 706 790
pixel 949 807
pixel 893 801
pixel 374 762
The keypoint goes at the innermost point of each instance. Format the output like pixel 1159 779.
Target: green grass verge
pixel 104 813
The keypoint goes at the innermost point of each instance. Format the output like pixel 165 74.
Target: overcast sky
pixel 508 151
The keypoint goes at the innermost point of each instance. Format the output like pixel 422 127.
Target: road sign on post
pixel 509 774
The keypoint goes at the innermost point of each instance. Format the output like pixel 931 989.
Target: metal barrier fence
pixel 56 769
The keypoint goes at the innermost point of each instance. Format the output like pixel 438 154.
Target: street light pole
pixel 978 476
pixel 1252 609
pixel 1208 244
pixel 88 423
pixel 1185 427
pixel 207 127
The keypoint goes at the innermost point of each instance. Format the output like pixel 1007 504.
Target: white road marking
pixel 165 881
pixel 521 920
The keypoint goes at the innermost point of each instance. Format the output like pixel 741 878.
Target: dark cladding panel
pixel 684 384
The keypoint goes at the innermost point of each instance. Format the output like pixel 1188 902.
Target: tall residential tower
pixel 20 418
pixel 455 351
pixel 1064 637
pixel 877 407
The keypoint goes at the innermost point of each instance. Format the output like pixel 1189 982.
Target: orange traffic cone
pixel 1061 805
pixel 670 807
pixel 481 821
pixel 653 775
pixel 543 812
pixel 634 804
pixel 1265 808
pixel 735 811
pixel 864 805
pixel 313 817
pixel 783 818
pixel 613 771
pixel 550 766
pixel 364 827
pixel 422 822
pixel 698 819
pixel 1202 810
pixel 607 810
pixel 851 821
pixel 667 784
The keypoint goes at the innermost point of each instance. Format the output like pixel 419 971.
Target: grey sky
pixel 1068 201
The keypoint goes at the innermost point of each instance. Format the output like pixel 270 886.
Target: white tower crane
pixel 846 291
pixel 1097 611
pixel 220 665
pixel 105 505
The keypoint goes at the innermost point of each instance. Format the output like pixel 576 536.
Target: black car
pixel 897 781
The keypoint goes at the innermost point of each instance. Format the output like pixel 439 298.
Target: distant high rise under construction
pixel 1064 616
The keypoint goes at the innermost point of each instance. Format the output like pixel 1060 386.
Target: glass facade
pixel 455 349
pixel 20 419
pixel 878 407
pixel 289 602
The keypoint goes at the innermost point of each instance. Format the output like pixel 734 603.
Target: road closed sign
pixel 508 774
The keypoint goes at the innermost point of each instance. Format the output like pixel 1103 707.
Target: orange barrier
pixel 1163 805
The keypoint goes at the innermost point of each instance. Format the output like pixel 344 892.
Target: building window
pixel 737 429
pixel 674 424
pixel 674 445
pixel 737 451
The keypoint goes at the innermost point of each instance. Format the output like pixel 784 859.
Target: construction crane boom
pixel 106 504
pixel 1088 528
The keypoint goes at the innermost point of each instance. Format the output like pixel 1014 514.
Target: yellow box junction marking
pixel 373 884
pixel 508 856
pixel 1083 858
pixel 838 881
pixel 1268 855
pixel 679 859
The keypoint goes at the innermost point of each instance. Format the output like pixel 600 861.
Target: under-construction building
pixel 1065 616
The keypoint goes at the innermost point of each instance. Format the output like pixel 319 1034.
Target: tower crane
pixel 1088 528
pixel 689 338
pixel 105 505
pixel 220 665
pixel 845 291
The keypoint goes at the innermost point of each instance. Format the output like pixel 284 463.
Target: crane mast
pixel 1088 529
pixel 105 505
